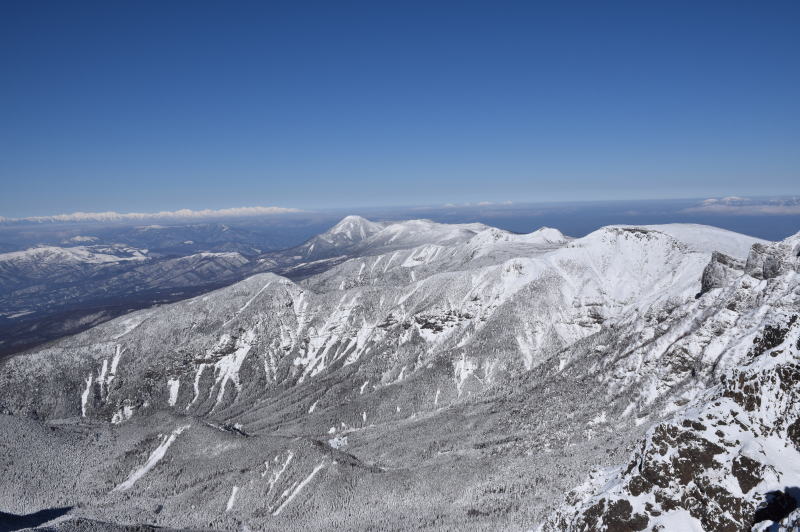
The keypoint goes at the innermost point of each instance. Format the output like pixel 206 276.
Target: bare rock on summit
pixel 767 262
pixel 720 270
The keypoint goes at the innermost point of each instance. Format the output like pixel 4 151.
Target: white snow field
pixel 434 376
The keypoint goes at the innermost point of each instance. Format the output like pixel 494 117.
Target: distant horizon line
pixel 763 205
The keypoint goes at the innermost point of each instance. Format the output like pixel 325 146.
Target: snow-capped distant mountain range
pixel 51 291
pixel 421 375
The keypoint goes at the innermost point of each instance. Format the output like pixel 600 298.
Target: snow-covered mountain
pixel 423 375
pixel 355 236
pixel 53 264
pixel 47 292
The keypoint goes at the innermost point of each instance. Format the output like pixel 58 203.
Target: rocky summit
pixel 418 375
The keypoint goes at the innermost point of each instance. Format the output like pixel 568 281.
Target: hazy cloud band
pixel 181 214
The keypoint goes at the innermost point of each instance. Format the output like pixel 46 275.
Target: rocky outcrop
pixel 721 465
pixel 720 271
pixel 729 460
pixel 769 261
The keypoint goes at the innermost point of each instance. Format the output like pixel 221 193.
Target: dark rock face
pixel 613 516
pixel 686 473
pixel 620 517
pixel 680 465
pixel 747 472
pixel 793 433
pixel 772 337
pixel 777 506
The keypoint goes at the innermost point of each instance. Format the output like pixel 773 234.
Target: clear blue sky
pixel 140 106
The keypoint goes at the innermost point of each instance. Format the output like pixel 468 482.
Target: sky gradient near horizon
pixel 163 105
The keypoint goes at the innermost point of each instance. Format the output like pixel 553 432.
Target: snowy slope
pixel 434 376
pixel 49 263
pixel 48 292
pixel 544 302
pixel 703 238
pixel 355 236
pixel 728 456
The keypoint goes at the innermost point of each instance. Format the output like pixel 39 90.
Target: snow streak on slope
pixel 232 499
pixel 155 456
pixel 291 494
